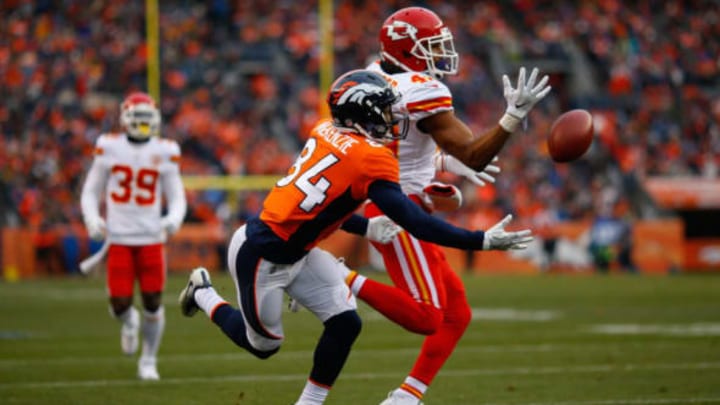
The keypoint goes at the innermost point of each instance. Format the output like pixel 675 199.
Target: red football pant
pixel 428 298
pixel 125 264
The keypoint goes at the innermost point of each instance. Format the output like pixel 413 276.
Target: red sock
pixel 400 307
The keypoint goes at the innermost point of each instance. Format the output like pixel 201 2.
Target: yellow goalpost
pixel 238 182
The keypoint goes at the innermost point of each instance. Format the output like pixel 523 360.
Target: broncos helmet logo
pixel 354 92
pixel 361 101
pixel 400 30
pixel 337 93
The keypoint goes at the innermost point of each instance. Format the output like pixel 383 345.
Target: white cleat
pixel 395 398
pixel 199 278
pixel 147 370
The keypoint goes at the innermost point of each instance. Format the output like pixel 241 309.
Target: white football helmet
pixel 140 116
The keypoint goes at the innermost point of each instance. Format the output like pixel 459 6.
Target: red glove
pixel 442 197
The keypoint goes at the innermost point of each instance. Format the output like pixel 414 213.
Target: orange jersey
pixel 327 183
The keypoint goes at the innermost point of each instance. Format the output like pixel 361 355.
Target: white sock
pixel 130 318
pixel 130 321
pixel 152 331
pixel 208 300
pixel 313 394
pixel 356 283
pixel 412 388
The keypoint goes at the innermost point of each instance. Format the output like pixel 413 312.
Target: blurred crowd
pixel 240 89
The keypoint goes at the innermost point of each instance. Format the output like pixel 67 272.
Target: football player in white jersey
pixel 131 173
pixel 429 297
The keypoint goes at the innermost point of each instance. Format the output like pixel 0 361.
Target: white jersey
pixel 134 178
pixel 422 96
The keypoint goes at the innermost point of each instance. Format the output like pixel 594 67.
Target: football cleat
pixel 399 399
pixel 199 278
pixel 147 369
pixel 129 334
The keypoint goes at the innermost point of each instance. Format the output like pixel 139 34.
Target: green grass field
pixel 546 339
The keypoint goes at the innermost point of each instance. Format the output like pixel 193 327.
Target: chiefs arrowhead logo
pixel 400 30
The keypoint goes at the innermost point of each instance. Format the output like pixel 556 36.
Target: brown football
pixel 570 135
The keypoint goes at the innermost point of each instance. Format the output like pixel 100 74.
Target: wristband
pixel 439 161
pixel 509 123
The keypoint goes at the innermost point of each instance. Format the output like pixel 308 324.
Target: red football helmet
pixel 139 116
pixel 416 40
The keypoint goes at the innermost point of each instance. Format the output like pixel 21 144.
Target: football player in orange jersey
pixel 416 50
pixel 132 171
pixel 343 163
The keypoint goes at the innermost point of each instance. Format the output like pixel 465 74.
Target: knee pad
pixel 152 301
pixel 344 327
pixel 116 309
pixel 263 354
pixel 263 344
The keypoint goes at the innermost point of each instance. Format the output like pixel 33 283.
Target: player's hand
pixel 441 197
pixel 521 99
pixel 496 238
pixel 448 163
pixel 96 228
pixel 169 226
pixel 293 305
pixel 382 229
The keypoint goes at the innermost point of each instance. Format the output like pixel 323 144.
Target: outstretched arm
pixel 397 206
pixel 455 138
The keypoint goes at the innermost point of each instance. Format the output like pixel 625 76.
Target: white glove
pixel 169 226
pixel 496 238
pixel 522 99
pixel 449 163
pixel 96 228
pixel 381 229
pixel 293 305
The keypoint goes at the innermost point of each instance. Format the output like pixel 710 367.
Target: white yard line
pixel 688 329
pixel 514 314
pixel 306 354
pixel 493 314
pixel 647 401
pixel 591 368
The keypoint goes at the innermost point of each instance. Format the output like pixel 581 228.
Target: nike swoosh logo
pixel 521 105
